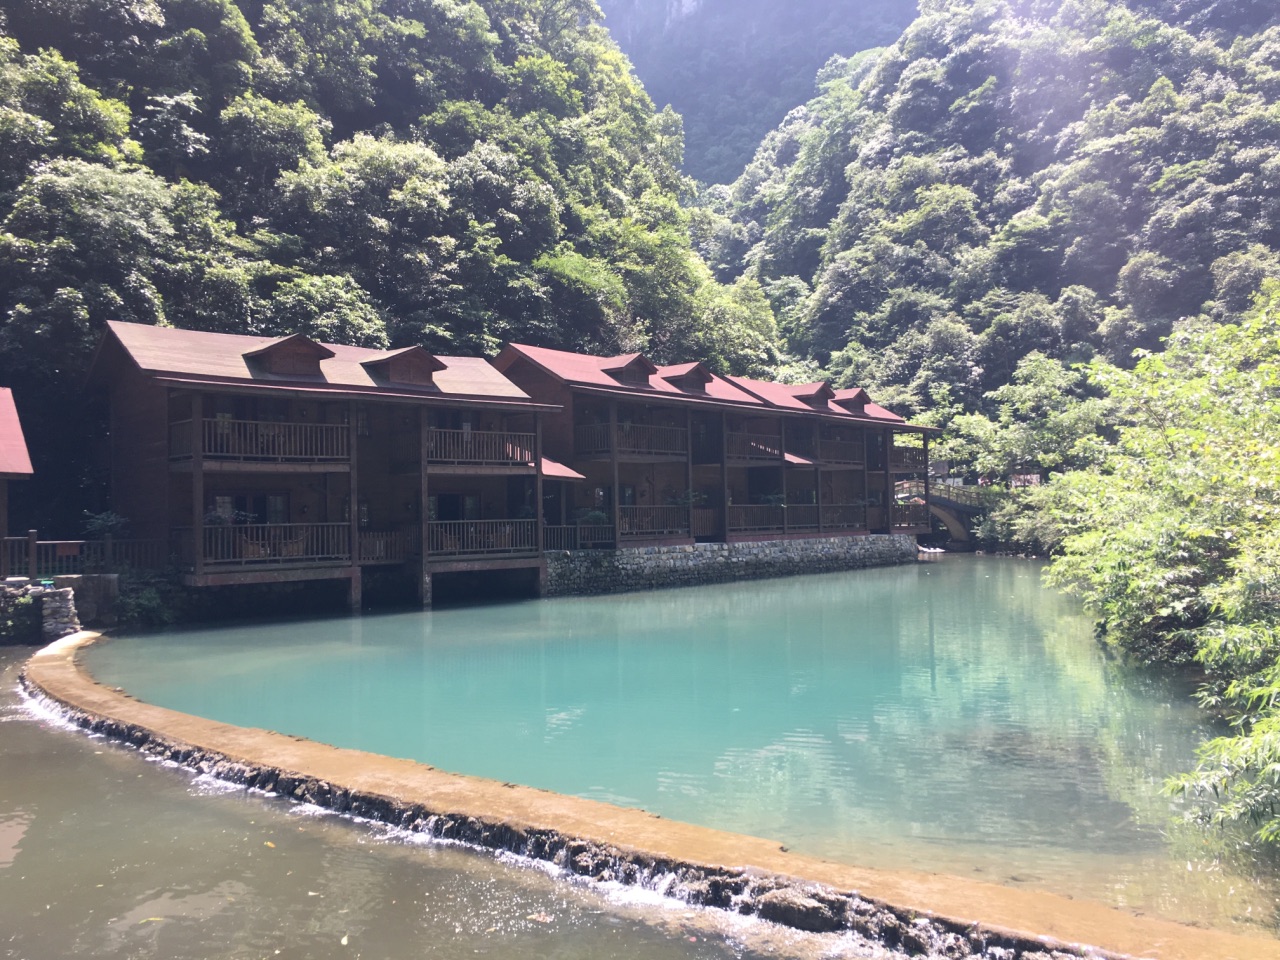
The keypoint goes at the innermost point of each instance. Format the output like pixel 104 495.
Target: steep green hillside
pixel 734 68
pixel 445 172
pixel 1012 177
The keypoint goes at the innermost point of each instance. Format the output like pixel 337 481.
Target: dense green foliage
pixel 1063 177
pixel 734 68
pixel 444 172
pixel 1173 537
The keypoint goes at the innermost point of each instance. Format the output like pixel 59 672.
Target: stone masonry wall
pixel 587 572
pixel 57 605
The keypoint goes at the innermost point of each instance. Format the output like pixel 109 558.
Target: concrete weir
pixel 915 914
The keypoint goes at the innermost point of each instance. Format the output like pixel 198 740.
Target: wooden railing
pixel 752 446
pixel 756 518
pixel 802 517
pixel 577 536
pixel 631 438
pixel 32 557
pixel 276 544
pixel 262 440
pixel 705 521
pixel 654 521
pixel 481 537
pixel 967 496
pixel 844 516
pixel 843 451
pixel 388 546
pixel 907 458
pixel 910 515
pixel 480 447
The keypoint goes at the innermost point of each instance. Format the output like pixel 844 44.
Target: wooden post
pixel 33 545
pixel 724 474
pixel 782 453
pixel 537 493
pixel 424 513
pixel 353 527
pixel 197 482
pixel 688 468
pixel 924 437
pixel 817 472
pixel 613 459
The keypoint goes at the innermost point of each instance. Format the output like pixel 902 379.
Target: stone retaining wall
pixel 587 572
pixel 57 606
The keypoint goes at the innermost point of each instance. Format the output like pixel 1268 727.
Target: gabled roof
pixel 626 361
pixel 685 373
pixel 581 369
pixel 14 459
pixel 197 356
pixel 298 341
pixel 787 396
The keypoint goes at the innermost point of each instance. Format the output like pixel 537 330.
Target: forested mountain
pixel 734 68
pixel 1061 177
pixel 453 173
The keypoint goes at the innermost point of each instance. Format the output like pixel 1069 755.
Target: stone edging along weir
pixel 916 914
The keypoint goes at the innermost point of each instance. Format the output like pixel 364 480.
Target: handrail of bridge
pixel 968 496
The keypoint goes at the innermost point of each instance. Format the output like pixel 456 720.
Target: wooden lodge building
pixel 267 460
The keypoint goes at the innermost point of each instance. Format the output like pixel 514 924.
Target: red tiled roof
pixel 589 371
pixel 170 353
pixel 787 397
pixel 14 459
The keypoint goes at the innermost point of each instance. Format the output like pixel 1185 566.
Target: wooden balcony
pixel 480 448
pixel 910 516
pixel 631 440
pixel 650 523
pixel 753 446
pixel 388 546
pixel 260 441
pixel 268 545
pixel 906 459
pixel 481 538
pixel 578 536
pixel 756 518
pixel 843 451
pixel 842 517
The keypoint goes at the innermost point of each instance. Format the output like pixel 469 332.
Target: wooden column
pixel 724 474
pixel 817 470
pixel 613 462
pixel 782 453
pixel 688 467
pixel 353 531
pixel 197 482
pixel 537 493
pixel 424 514
pixel 924 437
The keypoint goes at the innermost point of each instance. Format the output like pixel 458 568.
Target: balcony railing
pixel 480 447
pixel 843 451
pixel 756 518
pixel 706 522
pixel 906 515
pixel 752 446
pixel 578 536
pixel 32 557
pixel 262 440
pixel 388 546
pixel 844 516
pixel 802 517
pixel 906 458
pixel 633 439
pixel 481 537
pixel 270 544
pixel 645 522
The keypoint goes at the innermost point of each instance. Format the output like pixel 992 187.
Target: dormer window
pixel 632 369
pixel 816 395
pixel 855 401
pixel 688 377
pixel 293 356
pixel 412 366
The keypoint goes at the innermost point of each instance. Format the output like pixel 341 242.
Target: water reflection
pixel 105 855
pixel 952 716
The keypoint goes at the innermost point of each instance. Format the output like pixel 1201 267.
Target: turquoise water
pixel 951 716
